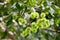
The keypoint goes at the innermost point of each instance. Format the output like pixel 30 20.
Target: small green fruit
pixel 43 15
pixel 14 16
pixel 23 21
pixel 34 15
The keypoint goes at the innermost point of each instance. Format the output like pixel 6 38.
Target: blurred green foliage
pixel 30 19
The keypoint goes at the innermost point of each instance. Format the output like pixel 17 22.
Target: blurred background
pixel 29 19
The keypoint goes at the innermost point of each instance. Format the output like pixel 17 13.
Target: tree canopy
pixel 30 19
